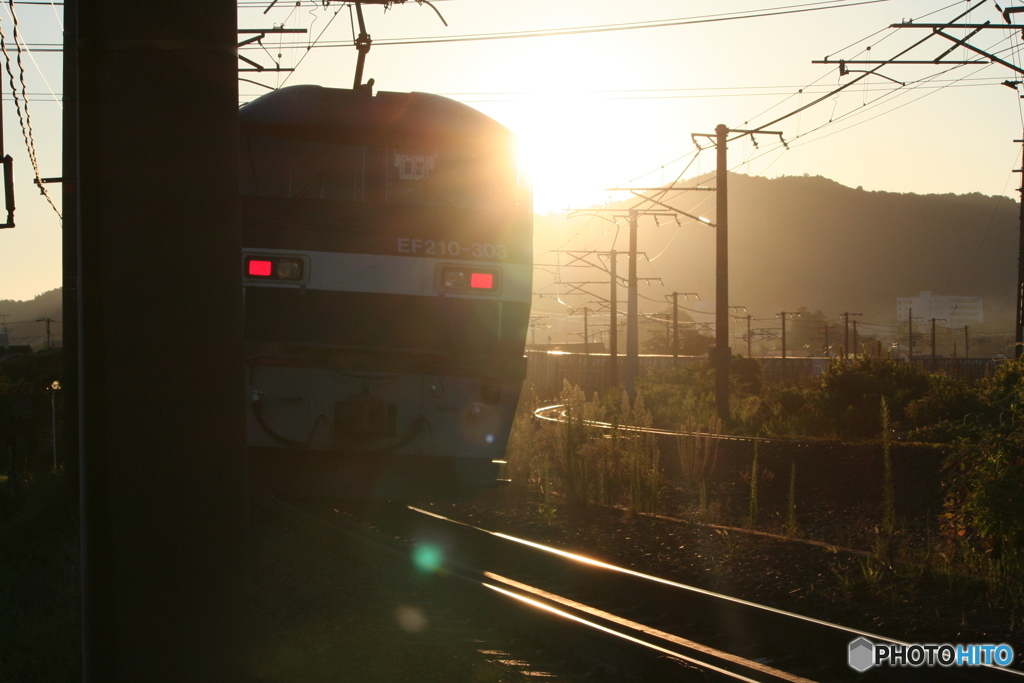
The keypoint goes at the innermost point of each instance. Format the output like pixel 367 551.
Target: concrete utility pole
pixel 164 495
pixel 722 354
pixel 632 332
pixel 910 341
pixel 675 321
pixel 613 331
pixel 933 339
pixel 69 256
pixel 967 342
pixel 749 353
pixel 586 332
pixel 855 345
pixel 910 344
pixel 783 315
pixel 1018 346
pixel 675 327
pixel 47 321
pixel 846 333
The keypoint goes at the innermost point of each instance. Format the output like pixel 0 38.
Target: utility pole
pixel 675 327
pixel 613 331
pixel 632 332
pixel 967 342
pixel 826 341
pixel 675 321
pixel 47 321
pixel 1018 345
pixel 749 353
pixel 855 345
pixel 933 339
pixel 783 315
pixel 909 322
pixel 910 343
pixel 846 333
pixel 722 351
pixel 164 491
pixel 632 310
pixel 69 258
pixel 586 333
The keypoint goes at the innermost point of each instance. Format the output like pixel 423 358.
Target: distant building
pixel 956 311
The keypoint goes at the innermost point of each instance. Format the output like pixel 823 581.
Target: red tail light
pixel 258 268
pixel 481 280
pixel 468 279
pixel 275 268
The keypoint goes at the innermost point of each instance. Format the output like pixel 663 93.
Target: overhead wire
pixel 625 26
pixel 310 46
pixel 877 102
pixel 24 117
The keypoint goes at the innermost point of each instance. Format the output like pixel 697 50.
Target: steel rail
pixel 538 414
pixel 734 637
pixel 607 640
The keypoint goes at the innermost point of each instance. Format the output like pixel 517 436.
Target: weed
pixel 888 493
pixel 792 527
pixel 752 519
pixel 698 455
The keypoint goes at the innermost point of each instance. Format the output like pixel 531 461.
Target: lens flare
pixel 411 619
pixel 427 558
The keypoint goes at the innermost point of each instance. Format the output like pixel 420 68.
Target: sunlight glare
pixel 574 141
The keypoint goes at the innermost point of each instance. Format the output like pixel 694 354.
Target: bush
pixel 849 394
pixel 951 408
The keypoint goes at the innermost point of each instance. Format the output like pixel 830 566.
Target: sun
pixel 575 140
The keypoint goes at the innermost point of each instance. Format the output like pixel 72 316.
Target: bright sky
pixel 600 109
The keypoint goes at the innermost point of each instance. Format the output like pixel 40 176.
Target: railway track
pixel 639 626
pixel 554 413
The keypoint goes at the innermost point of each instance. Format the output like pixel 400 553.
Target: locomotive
pixel 387 270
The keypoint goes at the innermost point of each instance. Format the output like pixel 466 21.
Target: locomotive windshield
pixel 303 169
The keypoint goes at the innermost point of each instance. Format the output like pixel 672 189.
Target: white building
pixel 955 311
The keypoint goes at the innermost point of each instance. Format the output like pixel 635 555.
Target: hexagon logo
pixel 862 654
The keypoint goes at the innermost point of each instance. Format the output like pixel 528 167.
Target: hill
pixel 22 316
pixel 811 242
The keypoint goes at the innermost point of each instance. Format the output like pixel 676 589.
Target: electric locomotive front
pixel 387 272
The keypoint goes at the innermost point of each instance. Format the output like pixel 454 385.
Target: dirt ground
pixel 913 599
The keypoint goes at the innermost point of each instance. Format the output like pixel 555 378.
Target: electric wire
pixel 664 23
pixel 23 115
pixel 310 46
pixel 24 46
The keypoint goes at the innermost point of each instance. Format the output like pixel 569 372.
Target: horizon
pixel 560 214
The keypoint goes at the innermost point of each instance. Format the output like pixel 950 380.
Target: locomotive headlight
pixel 454 278
pixel 289 269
